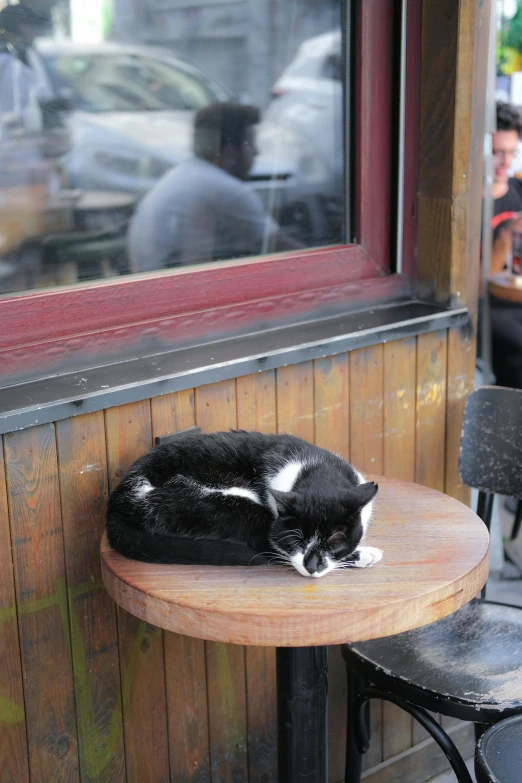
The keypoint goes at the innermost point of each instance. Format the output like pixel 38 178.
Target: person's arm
pixel 263 232
pixel 500 250
pixel 280 241
pixel 502 244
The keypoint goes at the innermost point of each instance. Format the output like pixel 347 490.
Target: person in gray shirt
pixel 202 210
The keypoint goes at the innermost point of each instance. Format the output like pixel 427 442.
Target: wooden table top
pixel 506 286
pixel 435 561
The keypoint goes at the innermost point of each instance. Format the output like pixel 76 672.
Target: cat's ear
pixel 363 494
pixel 284 500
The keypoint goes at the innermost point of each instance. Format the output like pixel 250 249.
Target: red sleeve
pixel 501 218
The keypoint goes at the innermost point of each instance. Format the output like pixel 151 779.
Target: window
pixel 183 170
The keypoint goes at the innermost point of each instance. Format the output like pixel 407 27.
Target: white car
pixel 308 100
pixel 133 111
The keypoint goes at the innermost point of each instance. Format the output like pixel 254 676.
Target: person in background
pixel 506 317
pixel 202 210
pixel 19 26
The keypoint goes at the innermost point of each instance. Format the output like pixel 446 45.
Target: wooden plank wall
pixel 89 693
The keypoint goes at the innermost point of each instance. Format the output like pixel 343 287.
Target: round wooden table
pixel 506 286
pixel 435 561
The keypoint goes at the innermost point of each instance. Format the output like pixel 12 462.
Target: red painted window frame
pixel 44 330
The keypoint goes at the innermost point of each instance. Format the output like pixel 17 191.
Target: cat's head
pixel 317 533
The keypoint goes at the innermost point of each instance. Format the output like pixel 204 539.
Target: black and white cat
pixel 243 498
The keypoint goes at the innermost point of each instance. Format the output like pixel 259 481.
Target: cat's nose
pixel 314 562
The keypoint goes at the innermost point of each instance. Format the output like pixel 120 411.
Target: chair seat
pixel 498 757
pixel 468 665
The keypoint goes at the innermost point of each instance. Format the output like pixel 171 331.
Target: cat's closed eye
pixel 338 538
pixel 340 546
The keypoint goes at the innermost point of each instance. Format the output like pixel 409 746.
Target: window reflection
pixel 143 136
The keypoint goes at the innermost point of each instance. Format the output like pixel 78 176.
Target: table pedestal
pixel 302 689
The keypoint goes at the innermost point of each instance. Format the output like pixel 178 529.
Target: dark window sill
pixel 71 394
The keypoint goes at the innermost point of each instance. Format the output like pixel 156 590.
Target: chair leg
pixel 356 734
pixel 430 724
pixel 518 521
pixel 480 728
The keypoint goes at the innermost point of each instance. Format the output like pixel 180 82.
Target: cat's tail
pixel 139 544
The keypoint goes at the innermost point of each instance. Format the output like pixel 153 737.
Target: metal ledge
pixel 75 393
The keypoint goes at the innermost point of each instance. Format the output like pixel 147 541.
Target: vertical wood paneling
pixel 14 767
pixel 256 402
pixel 399 462
pixel 256 410
pixel 399 409
pixel 366 408
pixel 430 440
pixel 215 411
pixel 172 412
pixel 332 431
pixel 331 404
pixel 187 709
pixel 460 384
pixel 216 406
pixel 461 381
pixel 185 672
pixel 37 537
pixel 83 486
pixel 295 400
pixel 366 453
pixel 430 429
pixel 128 434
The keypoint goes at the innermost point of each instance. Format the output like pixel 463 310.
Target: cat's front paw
pixel 368 556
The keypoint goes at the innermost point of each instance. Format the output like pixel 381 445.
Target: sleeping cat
pixel 243 498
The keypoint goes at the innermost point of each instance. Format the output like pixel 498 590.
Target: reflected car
pixel 132 118
pixel 308 100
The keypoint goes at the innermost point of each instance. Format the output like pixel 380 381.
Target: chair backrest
pixel 491 443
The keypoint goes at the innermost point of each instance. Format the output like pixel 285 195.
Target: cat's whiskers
pixel 345 564
pixel 274 558
pixel 259 554
pixel 296 532
pixel 291 536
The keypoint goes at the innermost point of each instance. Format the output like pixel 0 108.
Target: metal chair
pixel 468 665
pixel 517 522
pixel 498 756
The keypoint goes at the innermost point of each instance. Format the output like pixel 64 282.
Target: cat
pixel 243 498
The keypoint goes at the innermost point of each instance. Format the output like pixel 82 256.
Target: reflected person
pixel 203 210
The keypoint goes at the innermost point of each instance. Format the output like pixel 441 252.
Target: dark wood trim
pixel 440 37
pixel 40 330
pixel 162 311
pixel 412 138
pixel 374 122
pixel 133 300
pixel 453 76
pixel 463 279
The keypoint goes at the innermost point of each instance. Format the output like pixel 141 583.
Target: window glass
pixel 143 136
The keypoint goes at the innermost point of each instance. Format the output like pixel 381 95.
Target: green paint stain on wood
pixel 10 712
pixel 98 736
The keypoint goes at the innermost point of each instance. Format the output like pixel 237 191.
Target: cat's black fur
pixel 175 523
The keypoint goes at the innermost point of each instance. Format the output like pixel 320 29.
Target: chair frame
pixel 367 681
